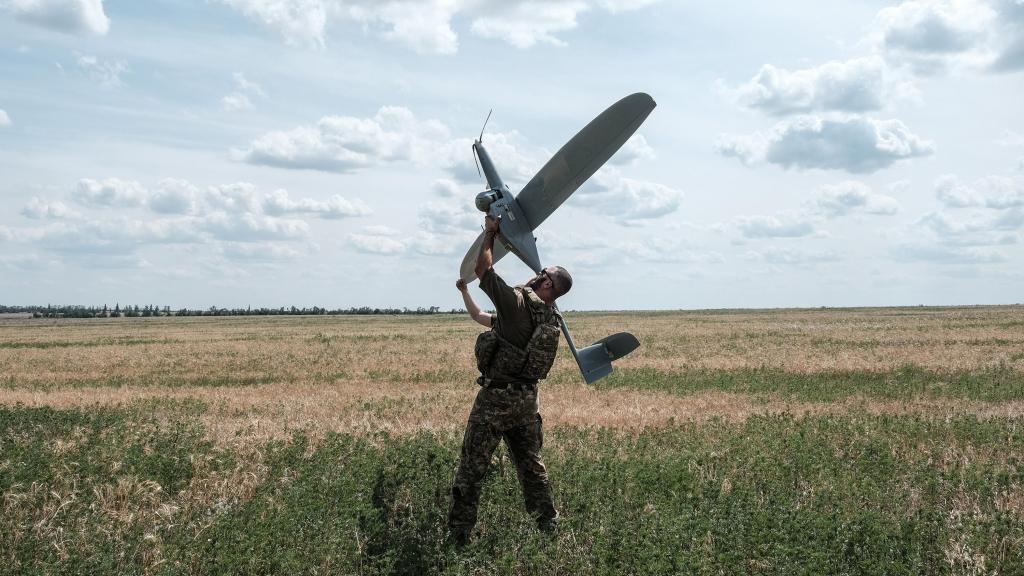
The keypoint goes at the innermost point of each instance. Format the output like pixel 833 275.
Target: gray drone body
pixel 520 215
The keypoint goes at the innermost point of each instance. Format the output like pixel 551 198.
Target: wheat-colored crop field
pixel 880 440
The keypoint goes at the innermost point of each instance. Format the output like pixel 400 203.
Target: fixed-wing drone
pixel 520 215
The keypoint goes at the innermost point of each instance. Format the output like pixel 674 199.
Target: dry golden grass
pixel 264 377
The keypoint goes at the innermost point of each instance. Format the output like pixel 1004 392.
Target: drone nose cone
pixel 484 200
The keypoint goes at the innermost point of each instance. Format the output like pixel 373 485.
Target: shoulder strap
pixel 540 312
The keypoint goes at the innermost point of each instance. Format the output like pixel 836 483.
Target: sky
pixel 231 153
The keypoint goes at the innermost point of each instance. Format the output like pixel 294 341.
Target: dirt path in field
pixel 278 410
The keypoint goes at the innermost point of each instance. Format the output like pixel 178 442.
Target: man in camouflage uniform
pixel 506 406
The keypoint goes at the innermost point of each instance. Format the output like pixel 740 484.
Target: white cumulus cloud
pixel 426 25
pixel 856 144
pixel 449 217
pixel 345 143
pixel 526 23
pixel 235 197
pixel 71 16
pixel 932 35
pixel 297 21
pixel 375 243
pixel 112 192
pixel 635 149
pixel 995 192
pixel 785 225
pixel 857 85
pixel 852 196
pixel 173 196
pixel 248 227
pixel 627 199
pixel 279 203
pixel 38 209
pixel 5 120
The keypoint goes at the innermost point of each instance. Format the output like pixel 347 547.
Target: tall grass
pixel 125 492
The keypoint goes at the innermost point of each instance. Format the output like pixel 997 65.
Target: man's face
pixel 542 283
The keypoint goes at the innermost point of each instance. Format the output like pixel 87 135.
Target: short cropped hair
pixel 561 280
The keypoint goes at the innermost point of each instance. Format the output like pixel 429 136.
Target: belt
pixel 520 386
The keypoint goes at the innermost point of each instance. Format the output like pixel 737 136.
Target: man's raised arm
pixel 485 259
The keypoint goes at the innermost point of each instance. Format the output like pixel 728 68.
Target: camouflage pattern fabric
pixel 508 413
pixel 541 351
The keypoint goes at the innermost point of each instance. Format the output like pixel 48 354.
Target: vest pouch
pixel 541 351
pixel 486 344
pixel 508 360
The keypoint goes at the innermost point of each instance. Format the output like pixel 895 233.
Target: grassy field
pixel 860 441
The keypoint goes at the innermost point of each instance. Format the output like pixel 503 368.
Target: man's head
pixel 551 283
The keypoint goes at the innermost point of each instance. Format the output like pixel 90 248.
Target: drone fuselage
pixel 498 202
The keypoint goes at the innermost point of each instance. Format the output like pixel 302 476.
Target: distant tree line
pixel 136 311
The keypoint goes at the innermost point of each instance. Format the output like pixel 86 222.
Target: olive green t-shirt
pixel 514 322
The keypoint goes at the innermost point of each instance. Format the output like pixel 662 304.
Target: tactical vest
pixel 497 358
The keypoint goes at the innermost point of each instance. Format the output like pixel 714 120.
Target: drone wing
pixel 468 268
pixel 581 157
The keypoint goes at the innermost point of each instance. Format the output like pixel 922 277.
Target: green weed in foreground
pixel 994 384
pixel 852 494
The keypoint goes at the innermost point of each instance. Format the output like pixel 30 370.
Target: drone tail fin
pixel 595 361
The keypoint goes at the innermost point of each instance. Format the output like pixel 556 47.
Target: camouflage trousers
pixel 510 414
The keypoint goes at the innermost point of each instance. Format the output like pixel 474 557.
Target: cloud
pixel 107 73
pixel 858 85
pixel 995 192
pixel 635 149
pixel 626 199
pixel 852 196
pixel 526 23
pixel 377 243
pixel 111 192
pixel 785 225
pixel 978 229
pixel 449 218
pixel 913 252
pixel 259 252
pixel 425 26
pixel 248 227
pixel 38 209
pixel 446 188
pixel 173 196
pixel 665 250
pixel 27 262
pixel 747 148
pixel 5 120
pixel 430 244
pixel 792 256
pixel 113 235
pixel 278 203
pixel 444 229
pixel 70 16
pixel 301 22
pixel 239 98
pixel 345 144
pixel 856 144
pixel 228 213
pixel 930 36
pixel 1010 139
pixel 236 101
pixel 236 197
